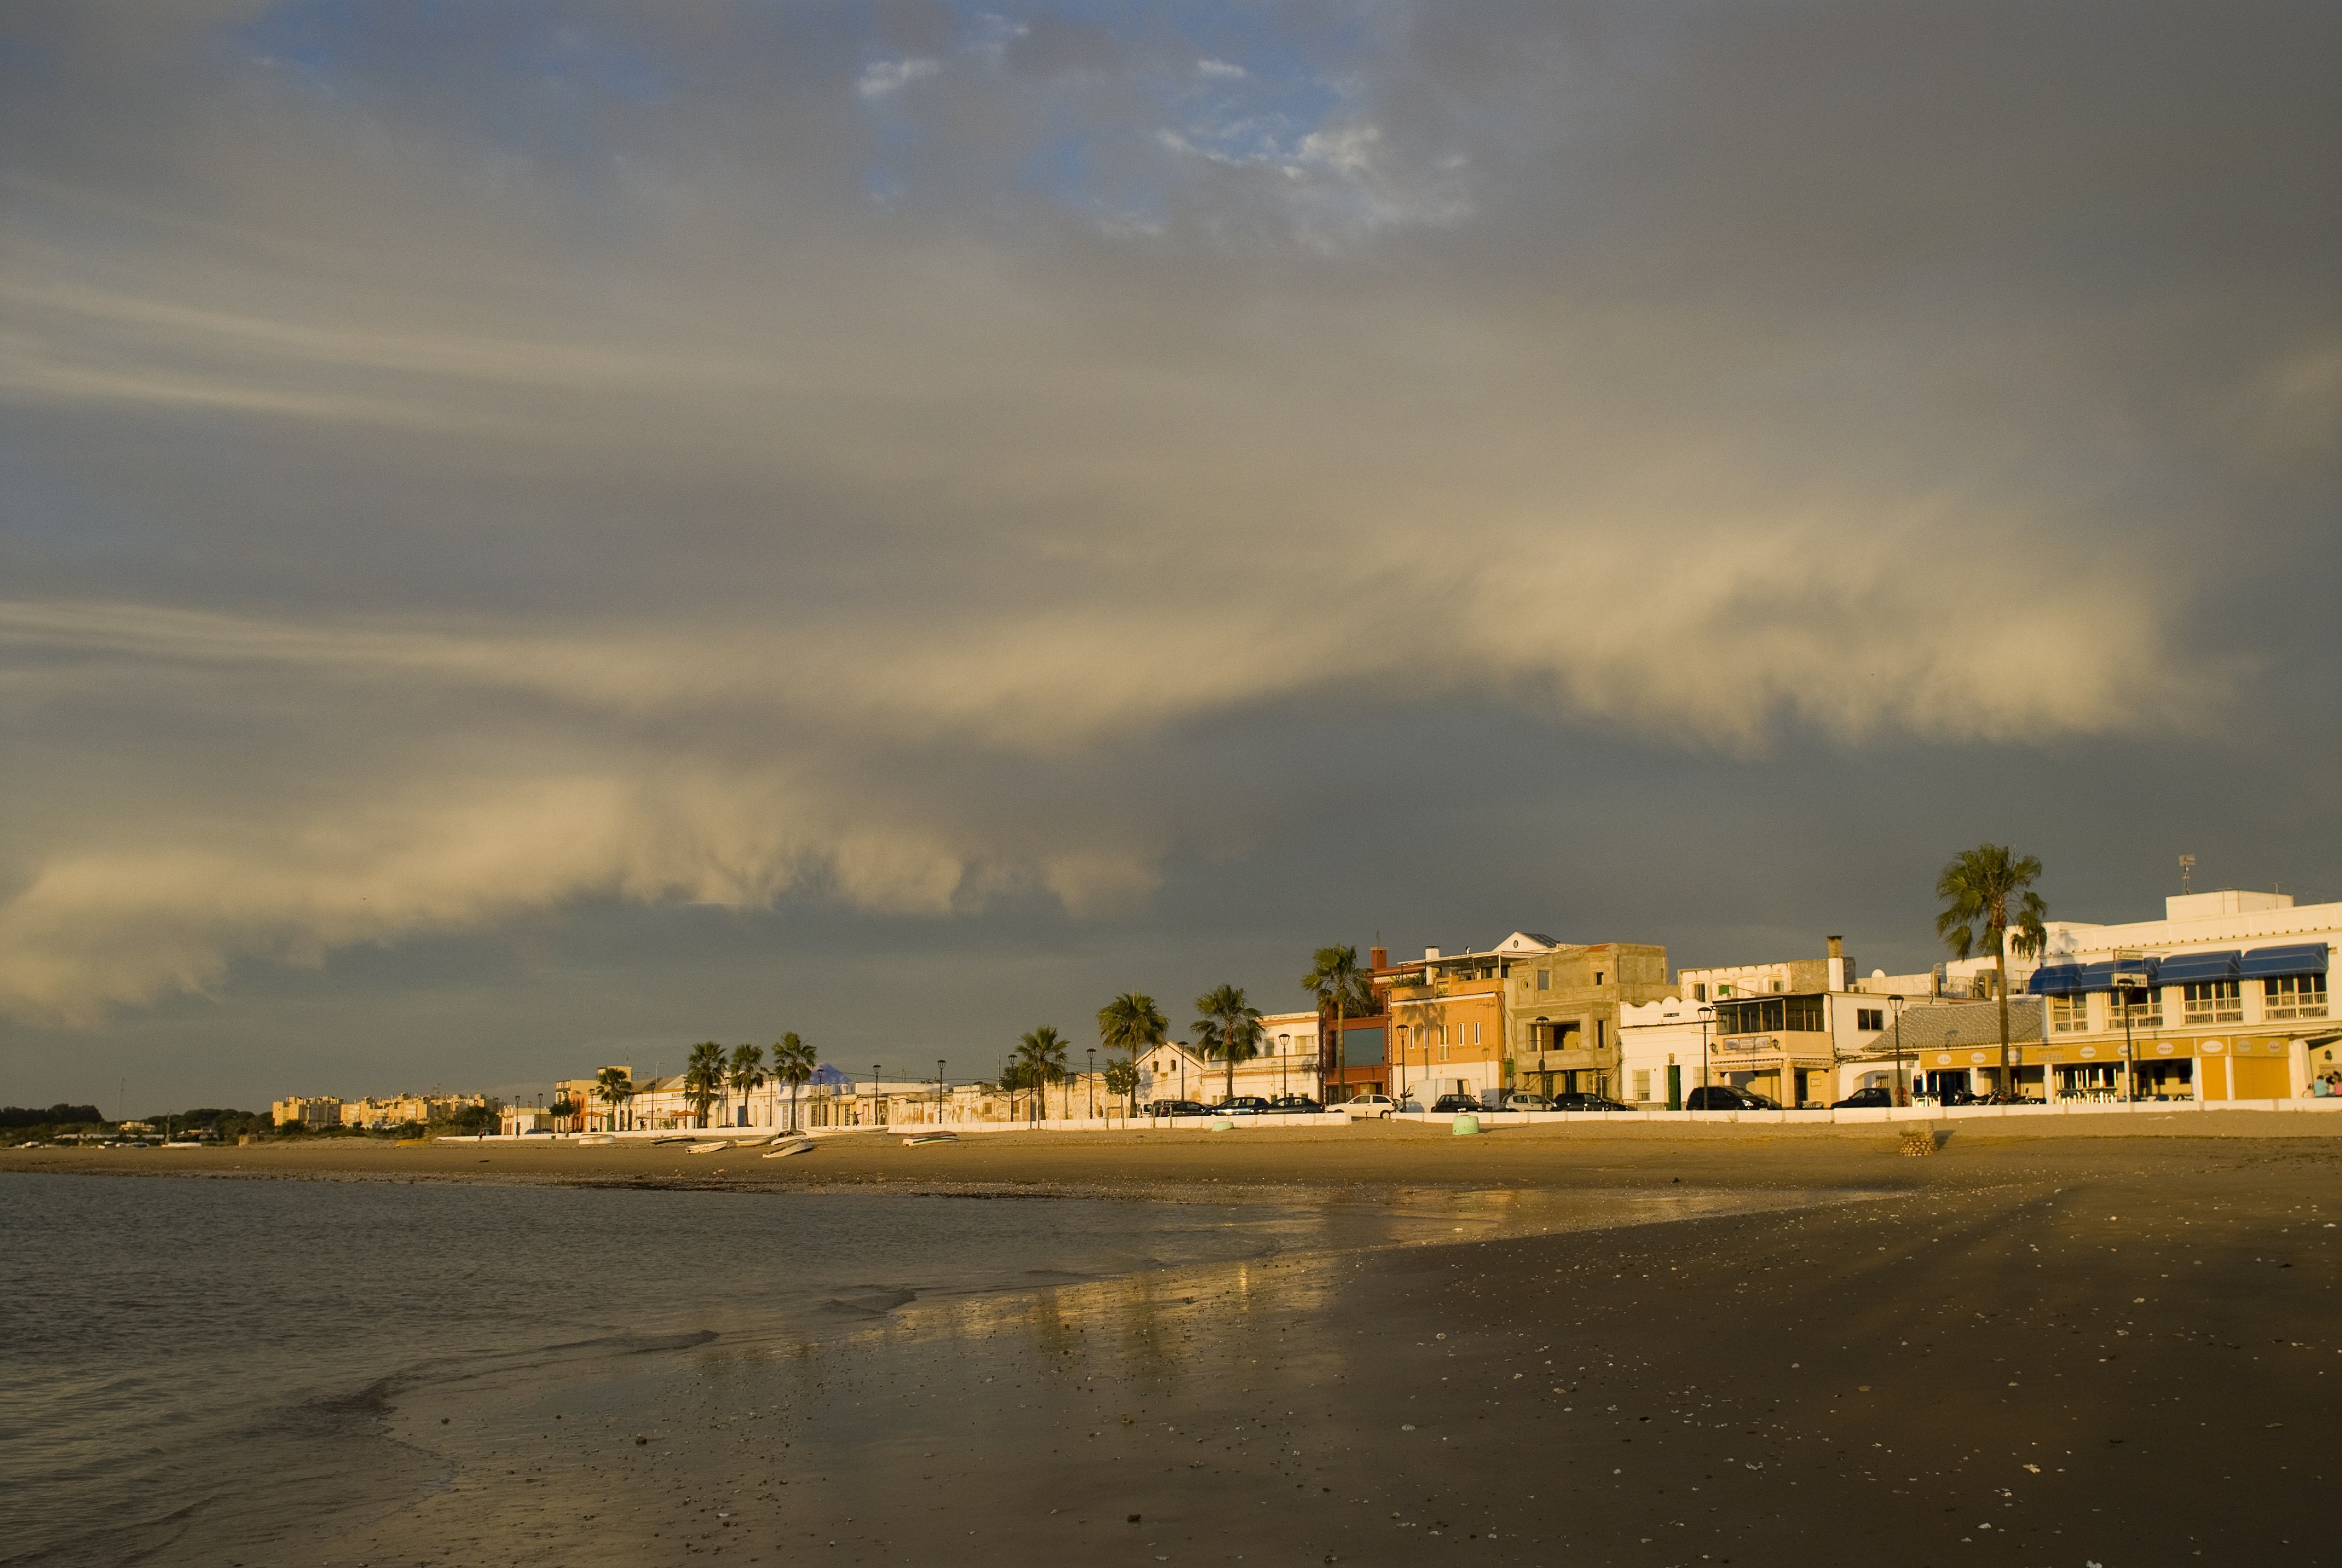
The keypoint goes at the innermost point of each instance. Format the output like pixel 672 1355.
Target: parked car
pixel 1465 1104
pixel 1522 1099
pixel 1242 1105
pixel 1580 1100
pixel 1873 1098
pixel 1295 1105
pixel 1379 1105
pixel 1725 1097
pixel 1174 1108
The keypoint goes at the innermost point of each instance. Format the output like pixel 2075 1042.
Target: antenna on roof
pixel 2186 864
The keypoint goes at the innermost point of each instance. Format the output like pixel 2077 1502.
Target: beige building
pixel 313 1112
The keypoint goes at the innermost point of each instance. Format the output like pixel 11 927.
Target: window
pixel 1545 979
pixel 1642 1083
pixel 2069 1014
pixel 1806 1013
pixel 1475 1034
pixel 2214 1002
pixel 1871 1018
pixel 1597 977
pixel 1699 991
pixel 2293 996
pixel 2145 1008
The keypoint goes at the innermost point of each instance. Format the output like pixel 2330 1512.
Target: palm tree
pixel 793 1063
pixel 563 1109
pixel 703 1077
pixel 747 1073
pixel 1040 1062
pixel 614 1089
pixel 1122 1081
pixel 1132 1024
pixel 1978 888
pixel 1228 1031
pixel 1342 987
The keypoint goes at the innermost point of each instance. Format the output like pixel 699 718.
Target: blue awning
pixel 2057 980
pixel 2196 968
pixel 2302 958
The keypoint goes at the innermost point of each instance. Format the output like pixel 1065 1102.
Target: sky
pixel 534 534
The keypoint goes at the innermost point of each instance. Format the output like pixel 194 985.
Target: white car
pixel 1377 1105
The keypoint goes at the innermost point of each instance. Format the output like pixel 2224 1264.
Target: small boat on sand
pixel 716 1147
pixel 595 1140
pixel 916 1139
pixel 787 1147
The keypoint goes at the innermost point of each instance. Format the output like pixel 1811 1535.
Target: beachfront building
pixel 1530 1013
pixel 1950 1045
pixel 1287 1064
pixel 1790 1047
pixel 2225 998
pixel 313 1112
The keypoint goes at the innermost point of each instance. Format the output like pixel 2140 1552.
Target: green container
pixel 1465 1126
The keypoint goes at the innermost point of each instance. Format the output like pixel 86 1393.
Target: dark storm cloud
pixel 463 464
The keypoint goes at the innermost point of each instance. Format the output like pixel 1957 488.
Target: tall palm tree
pixel 1132 1024
pixel 563 1108
pixel 1040 1062
pixel 1342 988
pixel 746 1072
pixel 1229 1030
pixel 614 1089
pixel 1986 890
pixel 793 1063
pixel 703 1077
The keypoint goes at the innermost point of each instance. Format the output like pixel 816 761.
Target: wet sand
pixel 2031 1350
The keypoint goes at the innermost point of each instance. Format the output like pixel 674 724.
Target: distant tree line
pixel 57 1115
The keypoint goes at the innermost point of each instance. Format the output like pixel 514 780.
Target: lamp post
pixel 1902 1088
pixel 877 1106
pixel 1090 1078
pixel 940 1087
pixel 1707 1016
pixel 1951 1038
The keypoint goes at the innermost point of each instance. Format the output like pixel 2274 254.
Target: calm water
pixel 179 1354
pixel 176 1348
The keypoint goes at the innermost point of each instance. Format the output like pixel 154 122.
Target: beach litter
pixel 916 1139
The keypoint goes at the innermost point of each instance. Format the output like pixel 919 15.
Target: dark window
pixel 1805 1013
pixel 1871 1018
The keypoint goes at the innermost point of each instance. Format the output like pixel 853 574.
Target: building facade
pixel 1531 1013
pixel 2225 998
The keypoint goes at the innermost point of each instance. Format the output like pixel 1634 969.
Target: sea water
pixel 182 1358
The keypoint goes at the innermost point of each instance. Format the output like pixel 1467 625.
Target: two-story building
pixel 2224 998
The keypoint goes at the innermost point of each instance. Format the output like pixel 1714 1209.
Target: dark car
pixel 1579 1100
pixel 1243 1106
pixel 1463 1103
pixel 1871 1099
pixel 1725 1097
pixel 1174 1108
pixel 1295 1105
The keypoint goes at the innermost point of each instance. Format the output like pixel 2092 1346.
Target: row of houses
pixel 2222 999
pixel 319 1112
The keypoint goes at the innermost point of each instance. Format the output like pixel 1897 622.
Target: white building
pixel 2224 998
pixel 1287 1064
pixel 1788 1046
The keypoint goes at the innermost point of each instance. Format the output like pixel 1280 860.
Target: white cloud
pixel 1220 70
pixel 881 77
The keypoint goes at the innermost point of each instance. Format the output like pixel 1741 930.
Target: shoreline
pixel 1365 1156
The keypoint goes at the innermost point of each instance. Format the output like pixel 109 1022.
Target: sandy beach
pixel 2112 1348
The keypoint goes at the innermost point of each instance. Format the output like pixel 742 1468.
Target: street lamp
pixel 877 1106
pixel 1707 1016
pixel 939 1091
pixel 1902 1087
pixel 1090 1077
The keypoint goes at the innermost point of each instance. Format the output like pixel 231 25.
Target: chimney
pixel 1379 957
pixel 1431 953
pixel 1838 978
pixel 1837 946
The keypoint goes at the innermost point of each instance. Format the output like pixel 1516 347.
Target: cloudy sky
pixel 534 534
